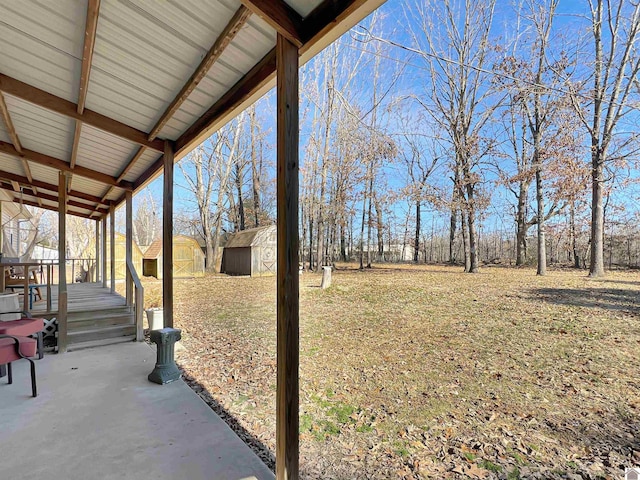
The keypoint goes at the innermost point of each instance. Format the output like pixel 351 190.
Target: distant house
pixel 251 252
pixel 11 214
pixel 188 259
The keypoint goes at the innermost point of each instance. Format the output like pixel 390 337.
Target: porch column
pixel 96 268
pixel 167 235
pixel 62 258
pixel 103 247
pixel 112 247
pixel 128 196
pixel 288 304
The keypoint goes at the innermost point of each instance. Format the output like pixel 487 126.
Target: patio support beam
pixel 59 105
pixel 112 247
pixel 277 13
pixel 98 265
pixel 103 222
pixel 129 246
pixel 167 235
pixel 62 259
pixel 288 303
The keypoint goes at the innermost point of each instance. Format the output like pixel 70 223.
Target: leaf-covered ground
pixel 425 372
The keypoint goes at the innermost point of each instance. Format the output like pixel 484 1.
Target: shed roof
pixel 153 251
pixel 250 237
pixel 95 87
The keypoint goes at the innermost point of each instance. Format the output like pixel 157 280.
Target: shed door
pixel 182 260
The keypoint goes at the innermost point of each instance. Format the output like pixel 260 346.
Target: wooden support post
pixel 62 258
pixel 129 246
pixel 103 247
pixel 288 304
pixel 98 264
pixel 112 247
pixel 167 235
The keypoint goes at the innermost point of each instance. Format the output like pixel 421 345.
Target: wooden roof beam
pixel 6 117
pixel 12 177
pixel 52 198
pixel 258 76
pixel 282 18
pixel 232 28
pixel 91 26
pixel 63 166
pixel 14 137
pixel 54 209
pixel 59 105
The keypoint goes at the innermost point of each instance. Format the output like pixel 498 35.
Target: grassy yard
pixel 425 372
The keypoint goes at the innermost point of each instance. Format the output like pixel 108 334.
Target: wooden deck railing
pixel 138 299
pixel 33 267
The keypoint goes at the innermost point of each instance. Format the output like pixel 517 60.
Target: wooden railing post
pixel 104 251
pixel 139 300
pixel 129 245
pixel 62 258
pixel 288 305
pixel 112 247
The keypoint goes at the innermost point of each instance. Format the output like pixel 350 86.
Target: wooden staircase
pixel 104 326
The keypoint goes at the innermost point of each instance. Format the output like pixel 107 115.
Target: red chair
pixel 14 348
pixel 17 323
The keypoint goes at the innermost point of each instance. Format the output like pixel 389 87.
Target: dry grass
pixel 425 372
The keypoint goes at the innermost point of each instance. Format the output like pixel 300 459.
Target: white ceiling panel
pixel 103 152
pixel 41 130
pixel 42 42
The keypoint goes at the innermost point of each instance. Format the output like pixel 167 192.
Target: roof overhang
pixel 95 91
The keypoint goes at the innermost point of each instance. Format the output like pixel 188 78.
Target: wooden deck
pixel 82 297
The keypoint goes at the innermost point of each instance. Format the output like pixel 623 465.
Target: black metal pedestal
pixel 166 370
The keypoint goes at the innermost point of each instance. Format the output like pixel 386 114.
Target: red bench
pixel 20 324
pixel 14 348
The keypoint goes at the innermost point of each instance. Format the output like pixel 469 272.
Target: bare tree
pixel 453 38
pixel 615 29
pixel 206 169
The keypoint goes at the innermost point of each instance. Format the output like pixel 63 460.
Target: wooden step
pixel 100 319
pixel 83 335
pixel 89 314
pixel 99 343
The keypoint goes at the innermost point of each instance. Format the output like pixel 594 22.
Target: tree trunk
pixel 521 226
pixel 369 221
pixel 380 227
pixel 343 246
pixel 255 169
pixel 572 232
pixel 542 249
pixel 596 269
pixel 416 242
pixel 239 175
pixel 465 242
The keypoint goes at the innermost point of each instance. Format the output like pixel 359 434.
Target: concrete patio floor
pixel 98 417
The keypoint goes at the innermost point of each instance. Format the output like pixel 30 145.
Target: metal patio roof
pixel 95 87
